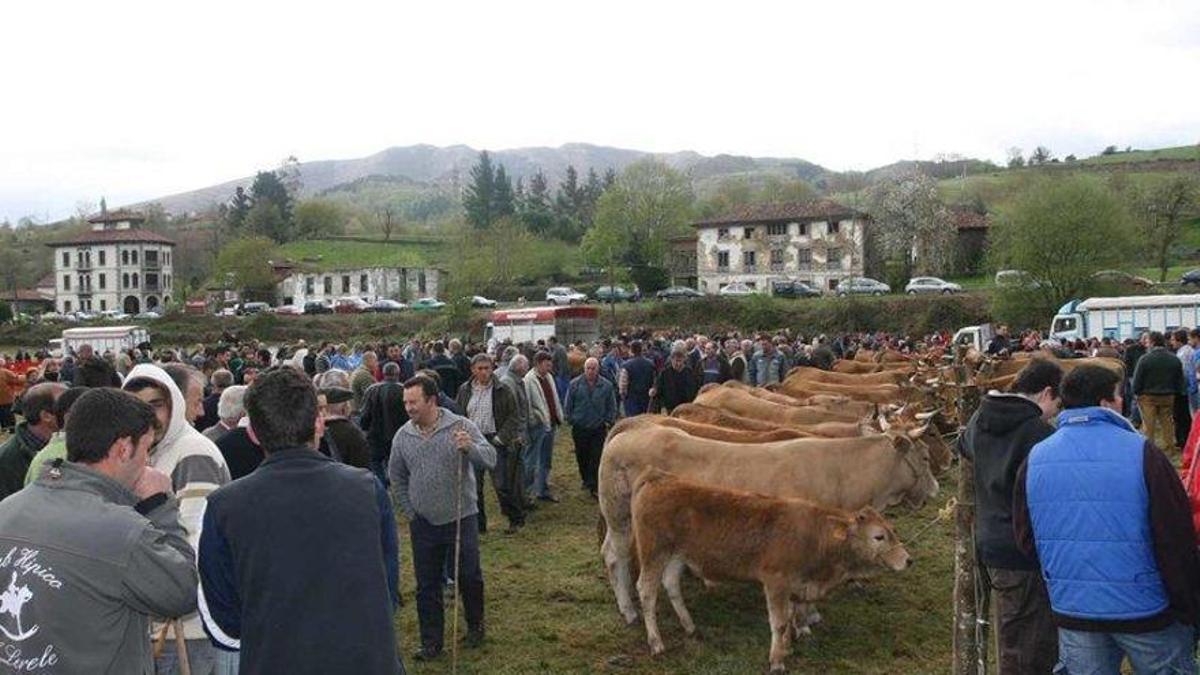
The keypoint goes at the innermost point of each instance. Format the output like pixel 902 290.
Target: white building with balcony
pixel 819 243
pixel 116 265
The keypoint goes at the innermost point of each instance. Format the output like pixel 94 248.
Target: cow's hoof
pixel 657 648
pixel 814 618
pixel 778 668
pixel 631 619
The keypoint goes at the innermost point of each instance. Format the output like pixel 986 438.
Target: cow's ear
pixel 839 529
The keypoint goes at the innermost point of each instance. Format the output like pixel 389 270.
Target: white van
pixel 102 339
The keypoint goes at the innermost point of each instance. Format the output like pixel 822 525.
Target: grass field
pixel 358 254
pixel 550 610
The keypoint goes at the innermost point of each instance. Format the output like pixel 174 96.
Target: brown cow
pixel 844 473
pixel 834 402
pixel 849 366
pixel 716 417
pixel 702 430
pixel 793 547
pixel 810 374
pixel 874 393
pixel 742 403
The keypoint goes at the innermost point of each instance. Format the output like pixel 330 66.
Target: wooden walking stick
pixel 185 668
pixel 458 480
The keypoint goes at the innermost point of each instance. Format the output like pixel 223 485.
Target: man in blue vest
pixel 1107 517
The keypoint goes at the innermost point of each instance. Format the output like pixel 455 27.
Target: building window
pixel 66 306
pixel 103 280
pixel 66 258
pixel 124 257
pixel 308 285
pixel 125 280
pixel 747 232
pixel 135 280
pixel 749 259
pixel 777 230
pixel 362 283
pixel 833 259
pixel 722 260
pixel 835 226
pixel 328 285
pixel 103 303
pixel 167 257
pixel 804 258
pixel 151 258
pixel 776 258
pixel 102 263
pixel 421 282
pixel 66 282
pixel 133 259
pixel 345 283
pixel 803 229
pixel 722 232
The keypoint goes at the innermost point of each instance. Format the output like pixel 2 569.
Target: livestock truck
pixel 1125 317
pixel 101 338
pixel 570 324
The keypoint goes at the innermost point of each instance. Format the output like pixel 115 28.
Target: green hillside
pixel 1180 153
pixel 321 255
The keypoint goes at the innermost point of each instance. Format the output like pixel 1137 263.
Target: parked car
pixel 480 301
pixel 862 286
pixel 385 305
pixel 317 307
pixel 564 295
pixel 1123 278
pixel 791 288
pixel 678 293
pixel 250 308
pixel 1190 277
pixel 85 316
pixel 350 305
pixel 736 289
pixel 288 310
pixel 921 285
pixel 1015 278
pixel 148 315
pixel 615 294
pixel 114 315
pixel 427 305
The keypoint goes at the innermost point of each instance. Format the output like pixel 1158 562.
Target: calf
pixel 794 548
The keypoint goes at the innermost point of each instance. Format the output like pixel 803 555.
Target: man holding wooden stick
pixel 436 491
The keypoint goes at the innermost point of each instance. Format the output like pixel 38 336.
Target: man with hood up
pixel 196 469
pixel 997 441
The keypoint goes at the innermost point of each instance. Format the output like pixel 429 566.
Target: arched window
pixel 135 280
pixel 125 279
pixel 125 259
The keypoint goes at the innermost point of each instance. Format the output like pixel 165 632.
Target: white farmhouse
pixel 296 287
pixel 819 243
pixel 116 265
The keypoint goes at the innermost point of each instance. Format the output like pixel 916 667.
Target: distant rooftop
pixel 117 216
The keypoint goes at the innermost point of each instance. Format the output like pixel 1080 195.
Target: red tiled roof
pixel 781 212
pixel 25 295
pixel 47 280
pixel 114 236
pixel 117 216
pixel 969 220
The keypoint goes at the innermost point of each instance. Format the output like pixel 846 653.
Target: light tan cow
pixel 833 402
pixel 810 374
pixel 745 404
pixel 793 547
pixel 850 366
pixel 714 416
pixel 845 473
pixel 874 393
pixel 702 430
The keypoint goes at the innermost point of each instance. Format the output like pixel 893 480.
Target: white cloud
pixel 136 100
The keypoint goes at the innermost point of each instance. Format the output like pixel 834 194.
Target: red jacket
pixel 1190 472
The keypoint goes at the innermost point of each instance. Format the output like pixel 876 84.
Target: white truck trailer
pixel 102 338
pixel 1125 317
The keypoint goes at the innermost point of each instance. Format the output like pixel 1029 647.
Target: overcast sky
pixel 135 100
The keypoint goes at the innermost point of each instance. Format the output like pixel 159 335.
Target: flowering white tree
pixel 913 225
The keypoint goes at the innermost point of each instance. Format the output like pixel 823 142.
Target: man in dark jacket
pixel 591 408
pixel 1156 382
pixel 342 441
pixel 493 408
pixel 1122 574
pixel 996 441
pixel 241 450
pixel 1134 351
pixel 712 366
pixel 638 380
pixel 320 597
pixel 31 436
pixel 94 371
pixel 446 369
pixel 382 416
pixel 676 384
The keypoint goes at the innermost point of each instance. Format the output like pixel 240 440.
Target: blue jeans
pixel 203 658
pixel 543 457
pixel 530 457
pixel 1164 652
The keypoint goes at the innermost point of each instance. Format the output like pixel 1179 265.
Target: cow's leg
pixel 671 577
pixel 800 623
pixel 615 551
pixel 647 585
pixel 779 605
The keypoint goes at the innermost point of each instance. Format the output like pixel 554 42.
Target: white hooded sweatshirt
pixel 194 464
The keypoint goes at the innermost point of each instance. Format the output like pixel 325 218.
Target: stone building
pixel 116 265
pixel 369 283
pixel 819 243
pixel 681 261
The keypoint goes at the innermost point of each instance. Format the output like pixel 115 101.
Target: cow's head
pixel 874 541
pixel 913 467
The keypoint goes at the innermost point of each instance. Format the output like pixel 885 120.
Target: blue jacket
pixel 591 407
pixel 299 568
pixel 1090 510
pixel 764 370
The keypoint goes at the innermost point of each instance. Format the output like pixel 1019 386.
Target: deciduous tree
pixel 913 226
pixel 245 264
pixel 1163 211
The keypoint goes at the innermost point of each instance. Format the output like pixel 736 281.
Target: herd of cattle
pixel 781 485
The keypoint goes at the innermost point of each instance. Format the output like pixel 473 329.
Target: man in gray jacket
pixel 93 548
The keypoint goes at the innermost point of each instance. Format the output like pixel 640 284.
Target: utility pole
pixel 970 649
